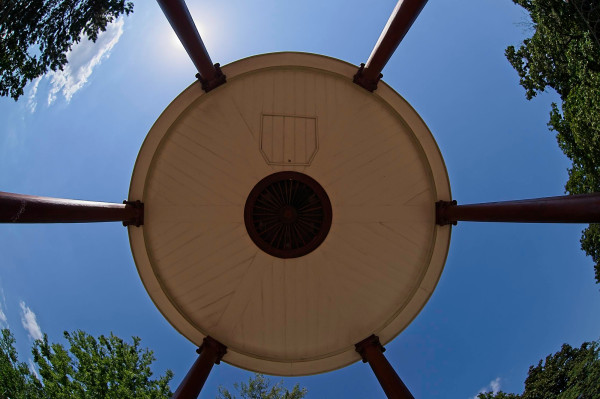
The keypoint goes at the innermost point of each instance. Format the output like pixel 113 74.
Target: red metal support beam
pixel 371 350
pixel 182 23
pixel 211 352
pixel 402 18
pixel 20 208
pixel 580 208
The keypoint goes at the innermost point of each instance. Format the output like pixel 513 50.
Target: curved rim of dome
pixel 398 322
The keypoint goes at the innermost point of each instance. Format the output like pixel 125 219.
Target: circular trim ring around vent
pixel 288 214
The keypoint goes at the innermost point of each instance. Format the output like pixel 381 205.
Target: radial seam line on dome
pixel 579 208
pixel 402 18
pixel 21 208
pixel 178 15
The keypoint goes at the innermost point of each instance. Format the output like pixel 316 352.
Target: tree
pixel 35 35
pixel 564 54
pixel 259 387
pixel 569 373
pixel 103 367
pixel 499 395
pixel 16 380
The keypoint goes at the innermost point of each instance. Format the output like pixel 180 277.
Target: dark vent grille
pixel 288 214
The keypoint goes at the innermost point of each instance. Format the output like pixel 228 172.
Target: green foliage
pixel 564 54
pixel 16 381
pixel 106 367
pixel 571 373
pixel 259 387
pixel 499 395
pixel 35 35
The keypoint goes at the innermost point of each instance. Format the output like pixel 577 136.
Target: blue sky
pixel 510 294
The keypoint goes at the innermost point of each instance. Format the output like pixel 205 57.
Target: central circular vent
pixel 287 214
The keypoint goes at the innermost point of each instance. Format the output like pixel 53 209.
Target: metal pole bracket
pixel 218 80
pixel 441 213
pixel 214 346
pixel 363 81
pixel 138 219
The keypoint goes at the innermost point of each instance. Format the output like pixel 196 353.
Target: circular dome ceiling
pixel 289 144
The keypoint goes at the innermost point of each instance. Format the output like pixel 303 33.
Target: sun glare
pixel 174 40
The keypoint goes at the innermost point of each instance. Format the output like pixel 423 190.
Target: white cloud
pixel 493 386
pixel 83 58
pixel 31 101
pixel 32 368
pixel 29 322
pixel 3 319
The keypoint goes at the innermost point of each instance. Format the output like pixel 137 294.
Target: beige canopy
pixel 370 152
